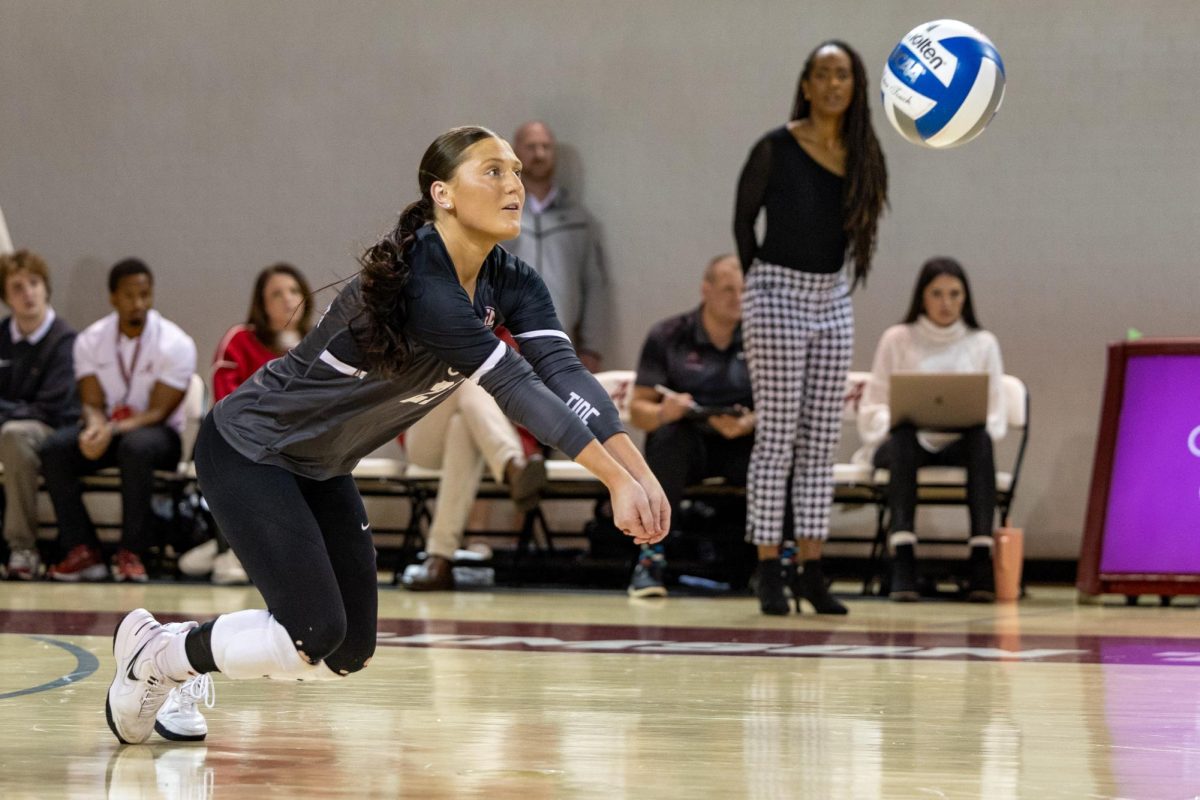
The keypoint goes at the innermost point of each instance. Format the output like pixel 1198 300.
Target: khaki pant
pixel 458 437
pixel 20 440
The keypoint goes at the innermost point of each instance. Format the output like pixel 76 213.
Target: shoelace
pixel 155 695
pixel 196 689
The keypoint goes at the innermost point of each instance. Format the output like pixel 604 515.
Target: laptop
pixel 939 401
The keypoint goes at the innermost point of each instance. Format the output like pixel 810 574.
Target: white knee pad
pixel 252 644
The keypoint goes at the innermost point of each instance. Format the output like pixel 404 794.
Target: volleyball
pixel 942 84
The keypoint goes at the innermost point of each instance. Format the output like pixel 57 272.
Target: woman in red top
pixel 280 315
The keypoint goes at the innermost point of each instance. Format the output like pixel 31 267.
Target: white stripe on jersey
pixel 491 362
pixel 341 366
pixel 222 362
pixel 537 334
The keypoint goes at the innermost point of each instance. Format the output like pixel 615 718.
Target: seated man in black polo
pixel 692 395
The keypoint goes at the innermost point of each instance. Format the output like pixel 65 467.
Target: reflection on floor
pixel 591 695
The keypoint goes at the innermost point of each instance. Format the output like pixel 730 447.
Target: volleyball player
pixel 274 458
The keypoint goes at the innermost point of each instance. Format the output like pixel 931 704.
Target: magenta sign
pixel 1152 524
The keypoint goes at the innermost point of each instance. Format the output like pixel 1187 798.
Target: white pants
pixel 458 437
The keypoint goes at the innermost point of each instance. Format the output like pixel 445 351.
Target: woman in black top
pixel 823 183
pixel 274 457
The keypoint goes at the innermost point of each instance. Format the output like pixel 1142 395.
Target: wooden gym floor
pixel 591 695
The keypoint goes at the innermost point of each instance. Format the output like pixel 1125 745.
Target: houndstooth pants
pixel 798 329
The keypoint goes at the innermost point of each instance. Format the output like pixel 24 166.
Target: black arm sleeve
pixel 537 406
pixel 529 314
pixel 751 191
pixel 442 321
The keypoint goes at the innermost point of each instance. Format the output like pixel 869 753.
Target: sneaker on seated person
pixel 981 582
pixel 24 565
pixel 647 578
pixel 227 570
pixel 127 566
pixel 198 562
pixel 83 563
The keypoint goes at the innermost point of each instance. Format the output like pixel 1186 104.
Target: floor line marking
pixel 85 665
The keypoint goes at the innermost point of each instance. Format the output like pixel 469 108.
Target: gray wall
pixel 211 138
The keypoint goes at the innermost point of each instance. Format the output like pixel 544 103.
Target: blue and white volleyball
pixel 942 84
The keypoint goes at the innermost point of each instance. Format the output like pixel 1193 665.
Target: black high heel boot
pixel 808 582
pixel 770 587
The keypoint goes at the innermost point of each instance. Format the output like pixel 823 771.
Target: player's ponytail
pixel 385 268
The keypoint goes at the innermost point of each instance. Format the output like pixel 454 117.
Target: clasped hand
pixel 94 440
pixel 641 510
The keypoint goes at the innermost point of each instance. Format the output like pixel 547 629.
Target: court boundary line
pixel 86 664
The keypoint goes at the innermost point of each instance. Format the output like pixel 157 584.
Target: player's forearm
pixel 621 448
pixel 597 459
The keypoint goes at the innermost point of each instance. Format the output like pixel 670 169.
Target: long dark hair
pixel 257 317
pixel 385 268
pixel 931 269
pixel 865 193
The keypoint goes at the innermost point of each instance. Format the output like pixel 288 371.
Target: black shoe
pixel 770 584
pixel 647 579
pixel 437 576
pixel 526 478
pixel 904 575
pixel 981 580
pixel 808 582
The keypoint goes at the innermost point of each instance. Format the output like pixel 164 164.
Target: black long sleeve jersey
pixel 317 410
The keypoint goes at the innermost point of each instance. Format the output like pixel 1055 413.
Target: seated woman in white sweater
pixel 939 334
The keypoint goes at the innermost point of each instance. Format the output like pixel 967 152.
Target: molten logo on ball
pixel 942 84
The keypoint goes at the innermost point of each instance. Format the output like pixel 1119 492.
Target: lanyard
pixel 127 375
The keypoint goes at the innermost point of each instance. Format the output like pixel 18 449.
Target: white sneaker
pixel 198 561
pixel 227 570
pixel 179 719
pixel 24 565
pixel 139 687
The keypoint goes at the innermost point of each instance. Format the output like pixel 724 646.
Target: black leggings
pixel 305 543
pixel 683 453
pixel 902 455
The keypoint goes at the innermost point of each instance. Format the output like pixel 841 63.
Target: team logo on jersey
pixel 453 378
pixel 489 316
pixel 431 394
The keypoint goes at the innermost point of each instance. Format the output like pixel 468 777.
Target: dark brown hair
pixel 931 269
pixel 257 317
pixel 385 268
pixel 864 195
pixel 126 268
pixel 22 261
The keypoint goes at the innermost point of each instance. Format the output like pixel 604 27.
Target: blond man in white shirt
pixel 132 369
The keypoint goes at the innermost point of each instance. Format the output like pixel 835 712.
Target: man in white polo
pixel 132 369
